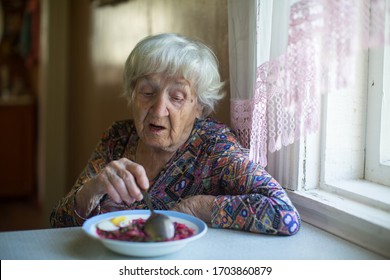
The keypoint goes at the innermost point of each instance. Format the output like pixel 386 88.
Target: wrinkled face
pixel 164 110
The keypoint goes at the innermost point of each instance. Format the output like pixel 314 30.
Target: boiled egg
pixel 107 225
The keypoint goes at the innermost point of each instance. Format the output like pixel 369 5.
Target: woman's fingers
pixel 199 206
pixel 118 188
pixel 131 188
pixel 124 179
pixel 139 173
pixel 112 192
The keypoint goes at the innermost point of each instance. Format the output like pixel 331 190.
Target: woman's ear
pixel 130 104
pixel 131 110
pixel 199 111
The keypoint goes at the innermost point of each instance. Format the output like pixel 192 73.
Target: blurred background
pixel 61 64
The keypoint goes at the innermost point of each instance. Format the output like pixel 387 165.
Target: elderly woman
pixel 187 161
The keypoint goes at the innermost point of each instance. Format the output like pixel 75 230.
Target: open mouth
pixel 155 127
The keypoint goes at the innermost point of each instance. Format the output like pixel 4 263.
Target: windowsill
pixel 365 192
pixel 363 220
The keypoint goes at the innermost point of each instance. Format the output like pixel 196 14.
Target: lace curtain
pixel 285 54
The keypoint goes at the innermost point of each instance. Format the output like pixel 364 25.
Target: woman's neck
pixel 153 160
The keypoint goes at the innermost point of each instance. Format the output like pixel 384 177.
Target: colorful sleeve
pixel 255 202
pixel 64 213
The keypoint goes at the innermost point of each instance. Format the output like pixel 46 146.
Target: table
pixel 217 244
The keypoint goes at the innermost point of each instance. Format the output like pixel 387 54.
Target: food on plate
pixel 124 229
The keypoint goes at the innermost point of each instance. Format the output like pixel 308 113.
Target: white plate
pixel 146 249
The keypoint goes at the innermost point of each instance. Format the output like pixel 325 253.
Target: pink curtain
pixel 323 38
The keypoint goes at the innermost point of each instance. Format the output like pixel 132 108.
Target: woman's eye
pixel 147 93
pixel 177 98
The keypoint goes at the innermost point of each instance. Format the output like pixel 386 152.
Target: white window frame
pixel 378 116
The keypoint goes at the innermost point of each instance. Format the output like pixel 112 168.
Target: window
pixel 377 167
pixel 342 180
pixel 326 173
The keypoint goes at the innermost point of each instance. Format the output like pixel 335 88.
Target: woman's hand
pixel 200 206
pixel 121 179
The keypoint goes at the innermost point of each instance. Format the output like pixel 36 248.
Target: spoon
pixel 157 226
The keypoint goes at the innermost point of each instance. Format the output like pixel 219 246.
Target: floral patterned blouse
pixel 211 162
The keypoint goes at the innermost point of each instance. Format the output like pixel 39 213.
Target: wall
pixel 100 40
pixel 52 105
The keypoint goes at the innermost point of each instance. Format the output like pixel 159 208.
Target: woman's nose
pixel 159 107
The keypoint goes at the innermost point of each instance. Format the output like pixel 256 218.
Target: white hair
pixel 174 55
